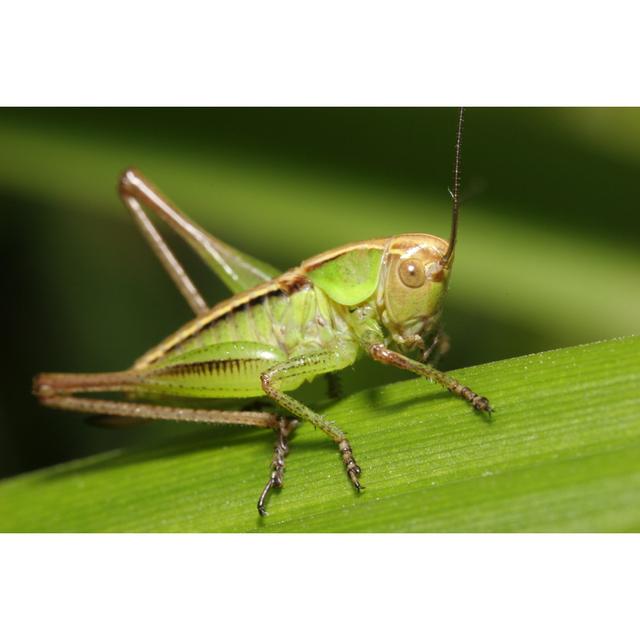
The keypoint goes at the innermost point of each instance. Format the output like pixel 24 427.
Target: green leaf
pixel 562 453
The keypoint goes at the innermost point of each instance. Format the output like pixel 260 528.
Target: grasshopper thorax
pixel 411 288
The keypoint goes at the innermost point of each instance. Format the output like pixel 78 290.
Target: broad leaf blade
pixel 561 454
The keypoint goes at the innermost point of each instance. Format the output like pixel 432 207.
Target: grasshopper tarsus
pixel 479 403
pixel 353 470
pixel 482 404
pixel 280 451
pixel 486 411
pixel 263 496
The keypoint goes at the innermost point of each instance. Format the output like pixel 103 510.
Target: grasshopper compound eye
pixel 411 273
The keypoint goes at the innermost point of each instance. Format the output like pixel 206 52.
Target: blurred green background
pixel 548 253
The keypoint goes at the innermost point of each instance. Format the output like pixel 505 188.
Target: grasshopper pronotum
pixel 278 331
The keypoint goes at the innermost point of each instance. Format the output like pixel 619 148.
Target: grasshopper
pixel 381 298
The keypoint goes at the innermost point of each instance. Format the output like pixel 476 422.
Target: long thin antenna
pixel 455 194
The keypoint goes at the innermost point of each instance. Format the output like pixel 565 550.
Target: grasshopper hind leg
pixel 280 452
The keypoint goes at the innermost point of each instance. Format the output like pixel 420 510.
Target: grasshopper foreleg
pixel 380 353
pixel 304 367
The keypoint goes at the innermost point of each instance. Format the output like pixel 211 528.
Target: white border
pixel 329 53
pixel 347 52
pixel 314 586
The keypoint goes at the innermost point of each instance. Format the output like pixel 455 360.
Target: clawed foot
pixel 279 453
pixel 272 482
pixel 480 403
pixel 353 470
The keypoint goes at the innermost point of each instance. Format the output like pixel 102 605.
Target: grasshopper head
pixel 414 280
pixel 416 273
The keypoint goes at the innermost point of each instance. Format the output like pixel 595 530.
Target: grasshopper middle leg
pixel 302 367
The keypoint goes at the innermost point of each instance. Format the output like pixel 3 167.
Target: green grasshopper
pixel 381 298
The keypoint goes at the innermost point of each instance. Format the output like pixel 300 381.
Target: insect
pixel 379 298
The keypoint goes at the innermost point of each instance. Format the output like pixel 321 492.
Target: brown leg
pixel 167 258
pixel 279 453
pixel 134 188
pixel 159 412
pixel 380 353
pixel 237 270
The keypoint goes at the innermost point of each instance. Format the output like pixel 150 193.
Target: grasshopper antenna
pixel 455 194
